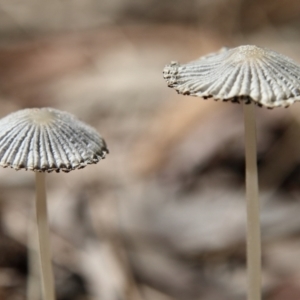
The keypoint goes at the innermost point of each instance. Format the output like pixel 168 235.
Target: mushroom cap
pixel 46 140
pixel 248 73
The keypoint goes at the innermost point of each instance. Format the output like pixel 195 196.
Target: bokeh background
pixel 163 217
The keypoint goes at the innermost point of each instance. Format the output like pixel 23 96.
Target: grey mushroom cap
pixel 247 73
pixel 46 140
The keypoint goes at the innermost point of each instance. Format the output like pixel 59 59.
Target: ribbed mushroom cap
pixel 245 73
pixel 46 140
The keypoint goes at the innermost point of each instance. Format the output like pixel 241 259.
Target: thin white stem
pixel 253 210
pixel 33 291
pixel 44 241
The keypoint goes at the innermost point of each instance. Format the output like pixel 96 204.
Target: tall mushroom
pixel 251 75
pixel 46 140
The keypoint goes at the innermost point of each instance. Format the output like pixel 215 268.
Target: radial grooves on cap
pixel 7 139
pixel 98 147
pixel 14 153
pixel 61 147
pixel 11 144
pixel 77 159
pixel 246 86
pixel 281 90
pixel 246 72
pixel 51 165
pixel 228 84
pixel 76 148
pixel 32 157
pixel 58 144
pixel 273 79
pixel 76 135
pixel 20 161
pixel 48 140
pixel 286 66
pixel 283 74
pixel 44 154
pixel 266 92
pixel 255 83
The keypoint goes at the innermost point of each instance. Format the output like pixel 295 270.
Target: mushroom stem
pixel 33 291
pixel 253 217
pixel 43 236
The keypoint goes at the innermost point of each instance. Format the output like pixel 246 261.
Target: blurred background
pixel 163 217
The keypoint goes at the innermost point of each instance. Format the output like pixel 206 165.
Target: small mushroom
pixel 250 75
pixel 46 140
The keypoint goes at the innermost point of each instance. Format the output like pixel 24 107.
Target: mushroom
pixel 250 75
pixel 46 140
